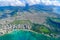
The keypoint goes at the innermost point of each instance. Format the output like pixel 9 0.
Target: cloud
pixel 11 3
pixel 45 2
pixel 51 2
pixel 56 3
pixel 30 2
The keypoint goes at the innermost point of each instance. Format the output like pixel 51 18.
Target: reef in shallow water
pixel 25 35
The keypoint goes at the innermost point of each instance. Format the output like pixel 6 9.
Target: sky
pixel 30 2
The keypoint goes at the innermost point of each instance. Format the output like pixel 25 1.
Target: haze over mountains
pixel 47 3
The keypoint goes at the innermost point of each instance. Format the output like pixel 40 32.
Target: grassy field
pixel 21 22
pixel 40 28
pixel 44 29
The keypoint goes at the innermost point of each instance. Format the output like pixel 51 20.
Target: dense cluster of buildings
pixel 6 28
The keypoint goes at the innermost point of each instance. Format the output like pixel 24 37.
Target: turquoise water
pixel 24 35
